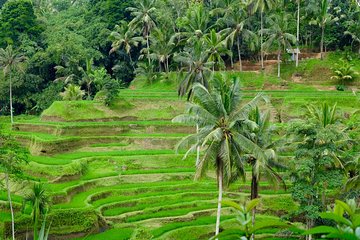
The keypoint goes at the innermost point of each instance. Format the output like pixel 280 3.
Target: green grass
pixel 111 234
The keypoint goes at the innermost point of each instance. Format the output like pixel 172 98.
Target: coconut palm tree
pixel 236 23
pixel 221 117
pixel 196 25
pixel 196 63
pixel 162 48
pixel 265 163
pixel 39 201
pixel 124 37
pixel 261 6
pixel 10 61
pixel 216 48
pixel 143 15
pixel 87 76
pixel 324 17
pixel 298 32
pixel 277 33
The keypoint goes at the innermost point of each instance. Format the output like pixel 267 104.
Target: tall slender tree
pixel 236 26
pixel 216 49
pixel 196 63
pixel 12 156
pixel 221 116
pixel 266 162
pixel 124 37
pixel 261 6
pixel 11 61
pixel 278 35
pixel 143 14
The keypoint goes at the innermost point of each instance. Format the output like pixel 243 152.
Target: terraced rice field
pixel 117 172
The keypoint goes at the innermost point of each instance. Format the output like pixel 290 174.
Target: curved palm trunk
pixel 239 53
pixel 11 207
pixel 220 187
pixel 261 40
pixel 11 104
pixel 298 34
pixel 322 42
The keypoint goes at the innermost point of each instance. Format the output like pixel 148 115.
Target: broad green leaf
pixel 252 204
pixel 321 229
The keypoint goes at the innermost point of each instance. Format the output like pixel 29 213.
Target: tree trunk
pixel 279 63
pixel 322 42
pixel 239 54
pixel 254 194
pixel 11 103
pixel 11 208
pixel 148 47
pixel 261 41
pixel 298 34
pixel 131 61
pixel 198 147
pixel 220 186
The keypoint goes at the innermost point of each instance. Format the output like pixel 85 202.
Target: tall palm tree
pixel 162 48
pixel 195 62
pixel 216 48
pixel 39 201
pixel 236 23
pixel 124 37
pixel 261 6
pixel 196 25
pixel 324 18
pixel 221 116
pixel 87 76
pixel 10 61
pixel 143 15
pixel 265 162
pixel 298 32
pixel 277 33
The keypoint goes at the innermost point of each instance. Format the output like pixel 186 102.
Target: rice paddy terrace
pixel 113 171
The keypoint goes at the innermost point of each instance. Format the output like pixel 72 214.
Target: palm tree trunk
pixel 239 53
pixel 131 61
pixel 278 58
pixel 322 42
pixel 11 103
pixel 298 34
pixel 11 207
pixel 198 147
pixel 36 220
pixel 220 186
pixel 148 47
pixel 261 40
pixel 254 194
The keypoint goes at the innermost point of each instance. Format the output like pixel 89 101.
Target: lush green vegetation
pixel 96 141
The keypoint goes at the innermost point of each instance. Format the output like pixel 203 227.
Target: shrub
pixel 72 93
pixel 344 72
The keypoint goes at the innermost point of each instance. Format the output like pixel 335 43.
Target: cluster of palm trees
pixel 172 33
pixel 234 133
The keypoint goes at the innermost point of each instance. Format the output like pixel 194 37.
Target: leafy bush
pixel 112 89
pixel 72 93
pixel 344 72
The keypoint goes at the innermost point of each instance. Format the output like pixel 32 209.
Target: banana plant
pixel 244 217
pixel 347 220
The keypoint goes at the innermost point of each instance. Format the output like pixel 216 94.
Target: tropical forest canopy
pixel 59 38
